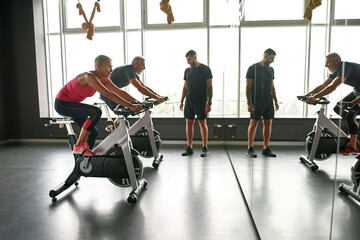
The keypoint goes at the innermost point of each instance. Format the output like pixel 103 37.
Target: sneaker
pixel 82 149
pixel 349 149
pixel 251 152
pixel 189 151
pixel 268 152
pixel 204 152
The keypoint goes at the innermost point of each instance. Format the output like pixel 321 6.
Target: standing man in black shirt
pixel 349 74
pixel 198 93
pixel 260 94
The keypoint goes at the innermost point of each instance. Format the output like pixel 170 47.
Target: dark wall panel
pixel 5 70
pixel 24 110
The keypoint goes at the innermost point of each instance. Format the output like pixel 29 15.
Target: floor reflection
pixel 289 200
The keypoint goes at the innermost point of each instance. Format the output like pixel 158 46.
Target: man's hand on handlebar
pixel 159 99
pixel 135 108
pixel 311 99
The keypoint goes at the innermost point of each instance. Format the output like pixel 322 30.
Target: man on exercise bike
pixel 349 74
pixel 124 75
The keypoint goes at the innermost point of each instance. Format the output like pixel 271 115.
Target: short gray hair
pixel 101 60
pixel 333 56
pixel 138 59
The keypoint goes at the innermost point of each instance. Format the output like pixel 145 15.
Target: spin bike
pixel 114 158
pixel 145 139
pixel 321 142
pixel 354 190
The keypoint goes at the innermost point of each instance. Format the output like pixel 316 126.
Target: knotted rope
pixel 88 25
pixel 312 4
pixel 166 8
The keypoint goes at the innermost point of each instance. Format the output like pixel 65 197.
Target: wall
pixel 21 95
pixel 5 74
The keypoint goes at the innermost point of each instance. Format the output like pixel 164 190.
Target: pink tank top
pixel 73 91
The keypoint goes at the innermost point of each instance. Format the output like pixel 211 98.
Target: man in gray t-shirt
pixel 349 74
pixel 124 75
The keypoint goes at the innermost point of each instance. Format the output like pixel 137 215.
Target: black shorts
pixel 264 110
pixel 193 108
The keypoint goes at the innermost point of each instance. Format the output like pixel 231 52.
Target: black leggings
pixel 350 117
pixel 84 115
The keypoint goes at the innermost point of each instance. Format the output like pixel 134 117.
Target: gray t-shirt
pixel 121 78
pixel 351 72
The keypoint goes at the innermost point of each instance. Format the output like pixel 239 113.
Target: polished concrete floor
pixel 290 201
pixel 186 198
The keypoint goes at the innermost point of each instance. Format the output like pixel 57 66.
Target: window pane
pixel 317 63
pixel 273 10
pixel 109 15
pixel 55 80
pixel 184 11
pixel 166 63
pixel 348 49
pixel 347 9
pixel 133 45
pixel 79 59
pixel 133 14
pixel 289 64
pixel 319 13
pixel 224 64
pixel 53 16
pixel 133 50
pixel 224 12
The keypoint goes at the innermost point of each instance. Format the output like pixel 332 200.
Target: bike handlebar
pixel 150 103
pixel 321 100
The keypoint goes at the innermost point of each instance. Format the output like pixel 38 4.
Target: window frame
pixel 42 40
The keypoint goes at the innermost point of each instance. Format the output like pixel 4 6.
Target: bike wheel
pixel 124 179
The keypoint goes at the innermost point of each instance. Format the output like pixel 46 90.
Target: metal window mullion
pixel 47 57
pixel 142 33
pixel 241 18
pixel 62 13
pixel 307 66
pixel 123 28
pixel 206 20
pixel 329 18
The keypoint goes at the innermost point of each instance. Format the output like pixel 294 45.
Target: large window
pixel 228 35
pixel 289 64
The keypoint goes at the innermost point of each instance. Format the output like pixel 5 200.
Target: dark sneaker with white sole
pixel 189 151
pixel 251 152
pixel 267 152
pixel 204 152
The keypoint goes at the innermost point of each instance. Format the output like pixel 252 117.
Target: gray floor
pixel 290 201
pixel 186 198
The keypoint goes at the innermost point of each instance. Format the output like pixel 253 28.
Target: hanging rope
pixel 166 8
pixel 312 4
pixel 88 25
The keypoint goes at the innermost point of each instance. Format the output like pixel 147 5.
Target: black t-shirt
pixel 351 72
pixel 196 82
pixel 262 77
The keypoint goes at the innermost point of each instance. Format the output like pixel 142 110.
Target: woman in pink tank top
pixel 68 101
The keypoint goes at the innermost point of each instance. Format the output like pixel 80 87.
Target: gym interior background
pixel 25 108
